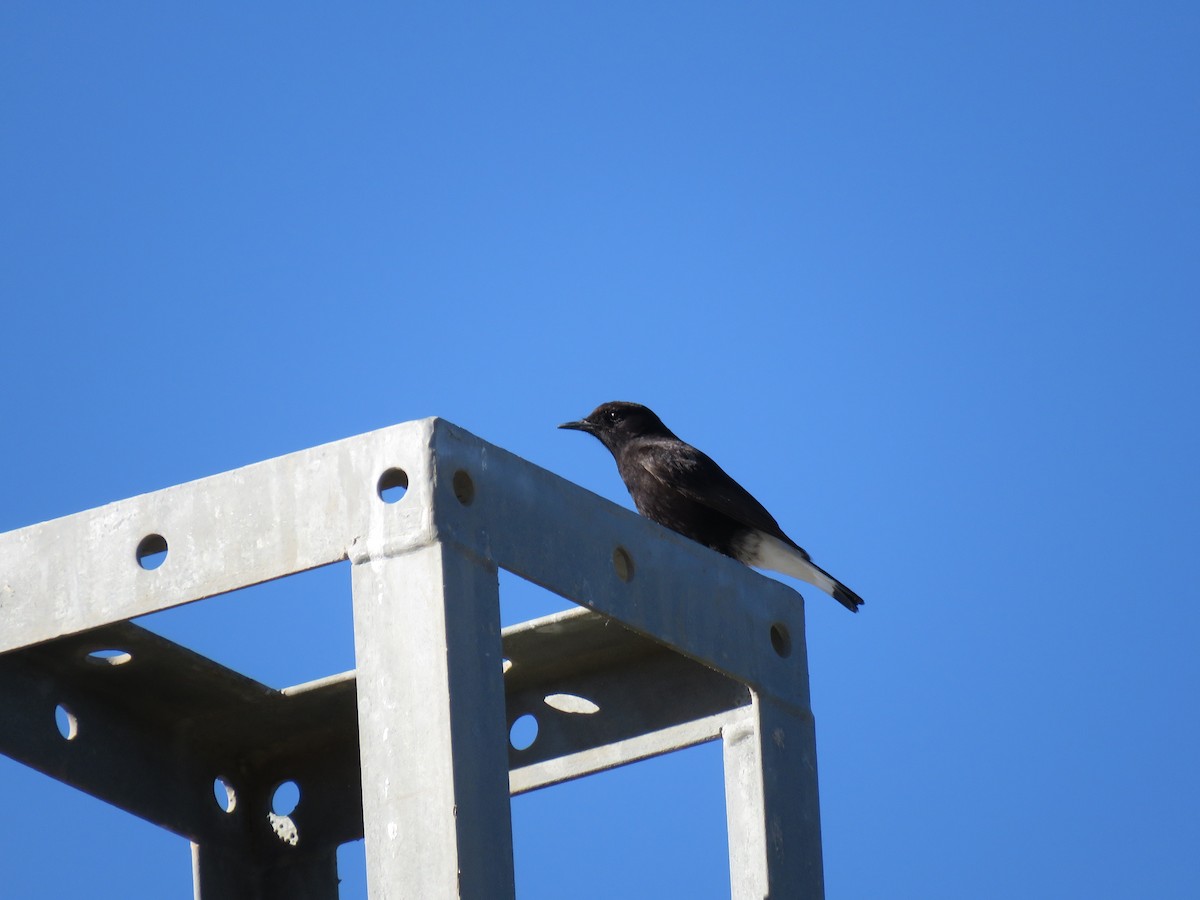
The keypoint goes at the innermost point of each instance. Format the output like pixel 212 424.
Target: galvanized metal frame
pixel 674 645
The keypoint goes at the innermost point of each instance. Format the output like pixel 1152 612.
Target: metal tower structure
pixel 672 645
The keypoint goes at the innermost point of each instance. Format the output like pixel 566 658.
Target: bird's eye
pixel 613 415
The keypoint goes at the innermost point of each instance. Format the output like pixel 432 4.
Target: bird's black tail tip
pixel 847 597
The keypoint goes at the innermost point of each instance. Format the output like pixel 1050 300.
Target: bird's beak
pixel 582 425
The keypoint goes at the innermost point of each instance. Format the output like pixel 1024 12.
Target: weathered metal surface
pixel 228 531
pixel 566 539
pixel 771 803
pixel 224 873
pixel 318 506
pixel 222 724
pixel 431 725
pixel 604 696
pixel 156 730
pixel 691 647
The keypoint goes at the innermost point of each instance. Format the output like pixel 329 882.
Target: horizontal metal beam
pixel 155 730
pixel 600 555
pixel 228 531
pixel 603 696
pixel 155 725
pixel 318 506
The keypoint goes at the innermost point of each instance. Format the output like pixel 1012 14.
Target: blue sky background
pixel 922 276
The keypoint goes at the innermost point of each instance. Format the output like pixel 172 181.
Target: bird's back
pixel 680 487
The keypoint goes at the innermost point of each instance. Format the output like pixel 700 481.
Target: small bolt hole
pixel 109 657
pixel 224 794
pixel 623 563
pixel 572 703
pixel 285 798
pixel 393 484
pixel 523 733
pixel 152 551
pixel 464 487
pixel 67 724
pixel 781 641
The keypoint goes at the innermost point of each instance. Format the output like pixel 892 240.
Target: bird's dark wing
pixel 683 468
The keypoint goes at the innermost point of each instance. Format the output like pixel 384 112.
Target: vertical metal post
pixel 218 874
pixel 433 735
pixel 772 808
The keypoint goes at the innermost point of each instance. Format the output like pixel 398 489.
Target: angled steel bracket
pixel 674 645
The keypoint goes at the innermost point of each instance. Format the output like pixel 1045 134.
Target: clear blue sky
pixel 924 277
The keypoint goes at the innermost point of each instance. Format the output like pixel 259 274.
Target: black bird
pixel 676 485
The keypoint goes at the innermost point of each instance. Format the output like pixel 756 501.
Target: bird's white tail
pixel 766 552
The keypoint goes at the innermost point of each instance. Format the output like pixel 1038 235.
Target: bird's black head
pixel 619 422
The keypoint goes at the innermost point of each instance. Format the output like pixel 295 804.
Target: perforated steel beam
pixel 422 767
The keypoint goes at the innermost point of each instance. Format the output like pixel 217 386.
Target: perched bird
pixel 676 485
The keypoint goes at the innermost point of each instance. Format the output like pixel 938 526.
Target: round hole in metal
pixel 151 551
pixel 524 732
pixel 392 485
